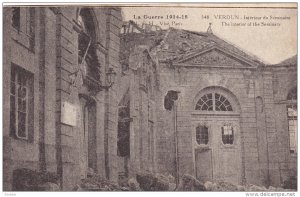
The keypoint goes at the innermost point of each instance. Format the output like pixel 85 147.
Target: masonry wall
pixel 56 146
pixel 189 81
pixel 113 25
pixel 107 52
pixel 284 79
pixel 17 50
pixel 138 80
pixel 264 136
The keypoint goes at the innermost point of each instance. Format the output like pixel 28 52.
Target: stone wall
pixel 264 152
pixel 55 147
pixel 189 84
pixel 259 93
pixel 284 79
pixel 17 50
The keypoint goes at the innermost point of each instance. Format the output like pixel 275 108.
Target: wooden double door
pixel 217 149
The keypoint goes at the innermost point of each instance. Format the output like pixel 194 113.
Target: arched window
pixel 213 102
pixel 292 118
pixel 86 44
pixel 202 135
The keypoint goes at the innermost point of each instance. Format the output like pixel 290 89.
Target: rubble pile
pixel 290 183
pixel 190 183
pixel 31 180
pixel 98 183
pixel 225 186
pixel 133 185
pixel 160 182
pixel 150 182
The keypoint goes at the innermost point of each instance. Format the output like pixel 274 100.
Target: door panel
pixel 229 154
pixel 204 164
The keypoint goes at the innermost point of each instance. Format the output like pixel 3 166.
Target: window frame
pixel 227 138
pixel 16 73
pixel 25 33
pixel 207 135
pixel 213 99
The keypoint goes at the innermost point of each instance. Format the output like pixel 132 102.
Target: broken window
pixel 292 119
pixel 227 134
pixel 21 103
pixel 86 45
pixel 202 135
pixel 213 102
pixel 169 99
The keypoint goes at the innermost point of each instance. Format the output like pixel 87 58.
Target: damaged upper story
pixel 177 46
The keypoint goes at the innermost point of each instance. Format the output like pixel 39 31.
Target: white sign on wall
pixel 68 114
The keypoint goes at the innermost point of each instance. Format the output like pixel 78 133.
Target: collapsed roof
pixel 176 44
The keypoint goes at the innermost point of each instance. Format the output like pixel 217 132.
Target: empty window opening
pixel 169 99
pixel 86 45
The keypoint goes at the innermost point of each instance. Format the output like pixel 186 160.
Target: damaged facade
pixel 83 93
pixel 60 106
pixel 221 114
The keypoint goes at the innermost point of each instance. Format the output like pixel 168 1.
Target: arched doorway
pixel 216 137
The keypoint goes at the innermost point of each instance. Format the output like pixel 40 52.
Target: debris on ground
pixel 98 183
pixel 162 182
pixel 32 180
pixel 290 183
pixel 225 186
pixel 133 185
pixel 150 182
pixel 48 186
pixel 190 183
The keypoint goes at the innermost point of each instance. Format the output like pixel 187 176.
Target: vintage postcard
pixel 150 97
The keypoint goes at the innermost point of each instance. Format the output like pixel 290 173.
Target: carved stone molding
pixel 214 58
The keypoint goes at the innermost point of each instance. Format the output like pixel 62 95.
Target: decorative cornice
pixel 211 66
pixel 235 57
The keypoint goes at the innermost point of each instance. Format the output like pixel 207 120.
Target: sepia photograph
pixel 149 97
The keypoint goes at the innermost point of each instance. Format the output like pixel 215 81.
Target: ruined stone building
pixel 85 93
pixel 220 113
